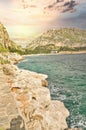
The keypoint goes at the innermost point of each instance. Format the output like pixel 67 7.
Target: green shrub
pixel 3 49
pixel 16 48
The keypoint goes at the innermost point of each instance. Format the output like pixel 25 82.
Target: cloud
pixel 25 12
pixel 31 16
pixel 32 11
pixel 6 3
pixel 62 5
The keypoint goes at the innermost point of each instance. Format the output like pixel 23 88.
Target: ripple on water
pixel 67 82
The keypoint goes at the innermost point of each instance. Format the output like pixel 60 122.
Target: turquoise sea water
pixel 67 82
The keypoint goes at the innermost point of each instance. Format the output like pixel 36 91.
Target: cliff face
pixel 4 37
pixel 25 102
pixel 8 109
pixel 6 45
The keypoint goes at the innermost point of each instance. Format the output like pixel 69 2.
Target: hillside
pixel 65 39
pixel 5 42
pixel 6 45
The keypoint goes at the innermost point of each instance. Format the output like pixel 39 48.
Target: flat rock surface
pixel 8 109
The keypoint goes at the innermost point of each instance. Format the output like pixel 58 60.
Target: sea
pixel 67 82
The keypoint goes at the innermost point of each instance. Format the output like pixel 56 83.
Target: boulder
pixel 33 100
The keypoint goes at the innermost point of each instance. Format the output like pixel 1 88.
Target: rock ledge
pixel 33 104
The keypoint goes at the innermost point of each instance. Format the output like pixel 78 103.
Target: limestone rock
pixel 33 100
pixel 4 37
pixel 8 108
pixel 11 58
pixel 9 69
pixel 44 83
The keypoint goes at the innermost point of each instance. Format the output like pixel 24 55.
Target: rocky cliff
pixel 11 58
pixel 65 39
pixel 33 106
pixel 25 102
pixel 4 37
pixel 6 44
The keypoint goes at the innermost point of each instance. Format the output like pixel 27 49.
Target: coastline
pixel 60 53
pixel 72 52
pixel 28 91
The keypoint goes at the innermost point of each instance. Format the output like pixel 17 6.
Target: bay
pixel 67 82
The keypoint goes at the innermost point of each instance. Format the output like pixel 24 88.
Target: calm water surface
pixel 67 82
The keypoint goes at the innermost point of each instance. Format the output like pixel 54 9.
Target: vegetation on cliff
pixel 65 39
pixel 6 45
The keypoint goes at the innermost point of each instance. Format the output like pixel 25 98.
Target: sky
pixel 25 19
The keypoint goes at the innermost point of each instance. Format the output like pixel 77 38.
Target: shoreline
pixel 72 52
pixel 32 100
pixel 60 53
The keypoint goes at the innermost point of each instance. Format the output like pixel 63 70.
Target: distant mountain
pixel 65 39
pixel 6 45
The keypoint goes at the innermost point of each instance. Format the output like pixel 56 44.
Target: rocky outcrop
pixel 33 101
pixel 6 44
pixel 8 108
pixel 12 58
pixel 4 37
